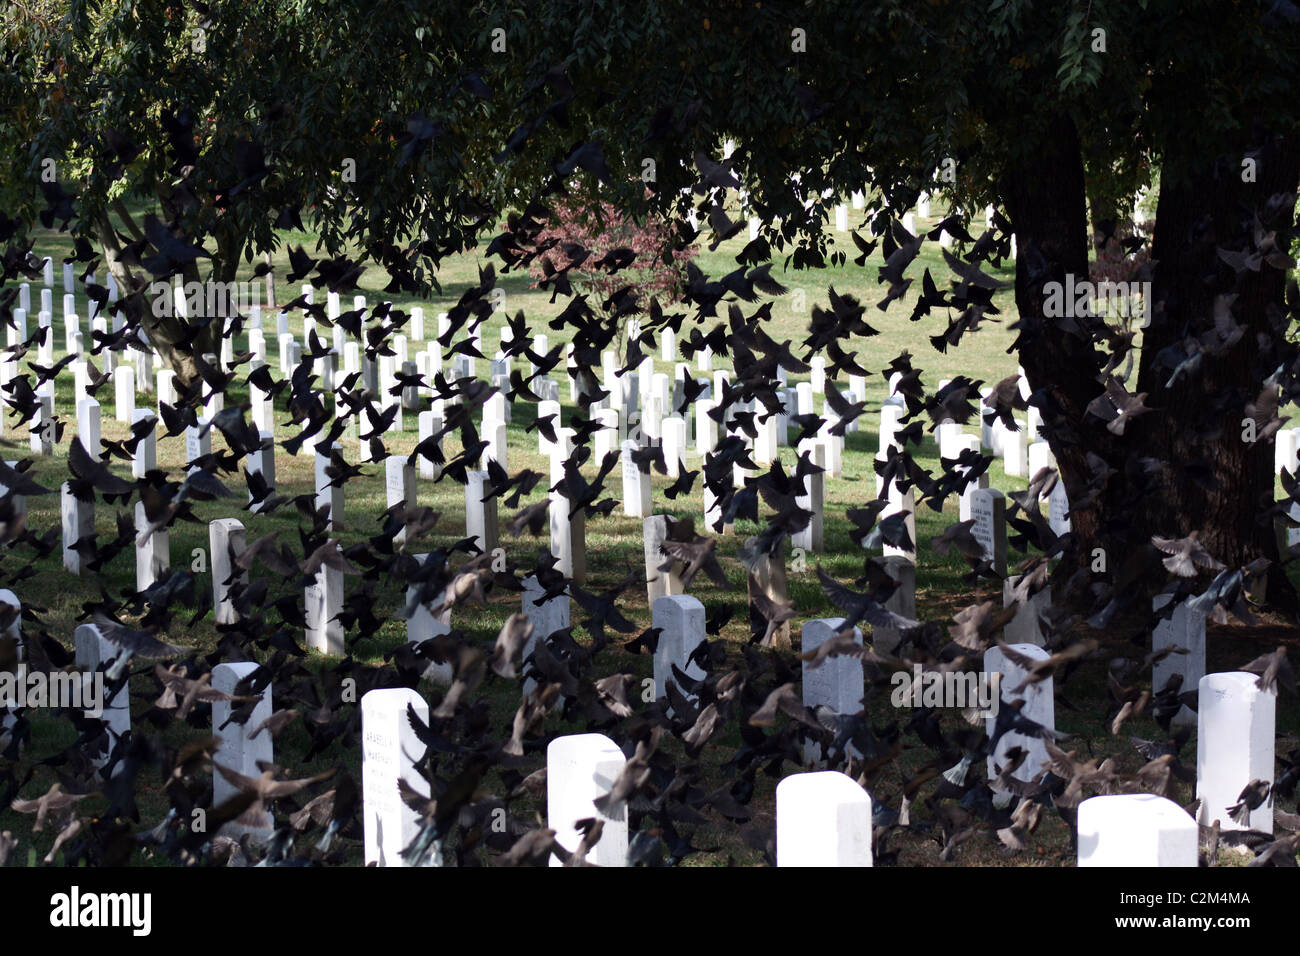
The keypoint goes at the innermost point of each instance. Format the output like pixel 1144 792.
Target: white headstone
pixel 1039 706
pixel 239 750
pixel 766 445
pixel 680 619
pixel 422 625
pixel 606 438
pixel 262 462
pixel 327 492
pixel 1136 829
pixel 667 345
pixel 495 434
pixel 322 604
pixel 581 768
pixel 1185 629
pixel 838 682
pixel 568 526
pixel 817 374
pixel 1058 509
pixel 674 444
pixel 88 427
pixel 78 524
pixel 904 503
pixel 480 515
pixel 94 652
pixel 902 602
pixel 124 392
pixel 813 537
pixel 548 617
pixel 654 532
pixel 636 484
pixel 988 507
pixel 1026 626
pixel 166 387
pixel 1284 451
pixel 145 458
pixel 399 484
pixel 1014 456
pixel 153 558
pixel 706 429
pixel 390 751
pixel 198 443
pixel 967 498
pixel 1234 747
pixel 1040 457
pixel 544 409
pixel 822 819
pixel 226 541
pixel 42 432
pixel 833 444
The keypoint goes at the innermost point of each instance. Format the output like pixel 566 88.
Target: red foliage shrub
pixel 658 269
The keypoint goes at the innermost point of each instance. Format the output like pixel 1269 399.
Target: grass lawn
pixel 55 600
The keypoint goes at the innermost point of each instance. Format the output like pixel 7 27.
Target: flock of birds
pixel 701 759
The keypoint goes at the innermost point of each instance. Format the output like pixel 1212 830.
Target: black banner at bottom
pixel 305 904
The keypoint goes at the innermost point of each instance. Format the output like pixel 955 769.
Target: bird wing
pixel 839 595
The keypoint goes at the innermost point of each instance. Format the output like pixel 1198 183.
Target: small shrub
pixel 658 270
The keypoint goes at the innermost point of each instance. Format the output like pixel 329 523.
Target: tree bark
pixel 1220 483
pixel 1046 201
pixel 1211 481
pixel 166 333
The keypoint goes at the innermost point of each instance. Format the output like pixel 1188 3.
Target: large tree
pixel 1035 108
pixel 234 118
pixel 448 114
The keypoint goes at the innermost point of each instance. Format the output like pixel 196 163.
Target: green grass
pixel 55 600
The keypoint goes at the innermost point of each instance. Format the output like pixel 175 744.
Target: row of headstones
pixel 921 211
pixel 1235 718
pixel 823 818
pixel 567 540
pixel 1235 743
pixel 771 431
pixel 380 375
pixel 680 617
pixel 227 536
pixel 481 523
pixel 1235 722
pixel 180 301
pixel 567 533
pixel 986 507
pixel 241 746
pixel 858 201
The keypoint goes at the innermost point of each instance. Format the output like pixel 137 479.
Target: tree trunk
pixel 166 333
pixel 177 341
pixel 1220 481
pixel 1212 481
pixel 1045 198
